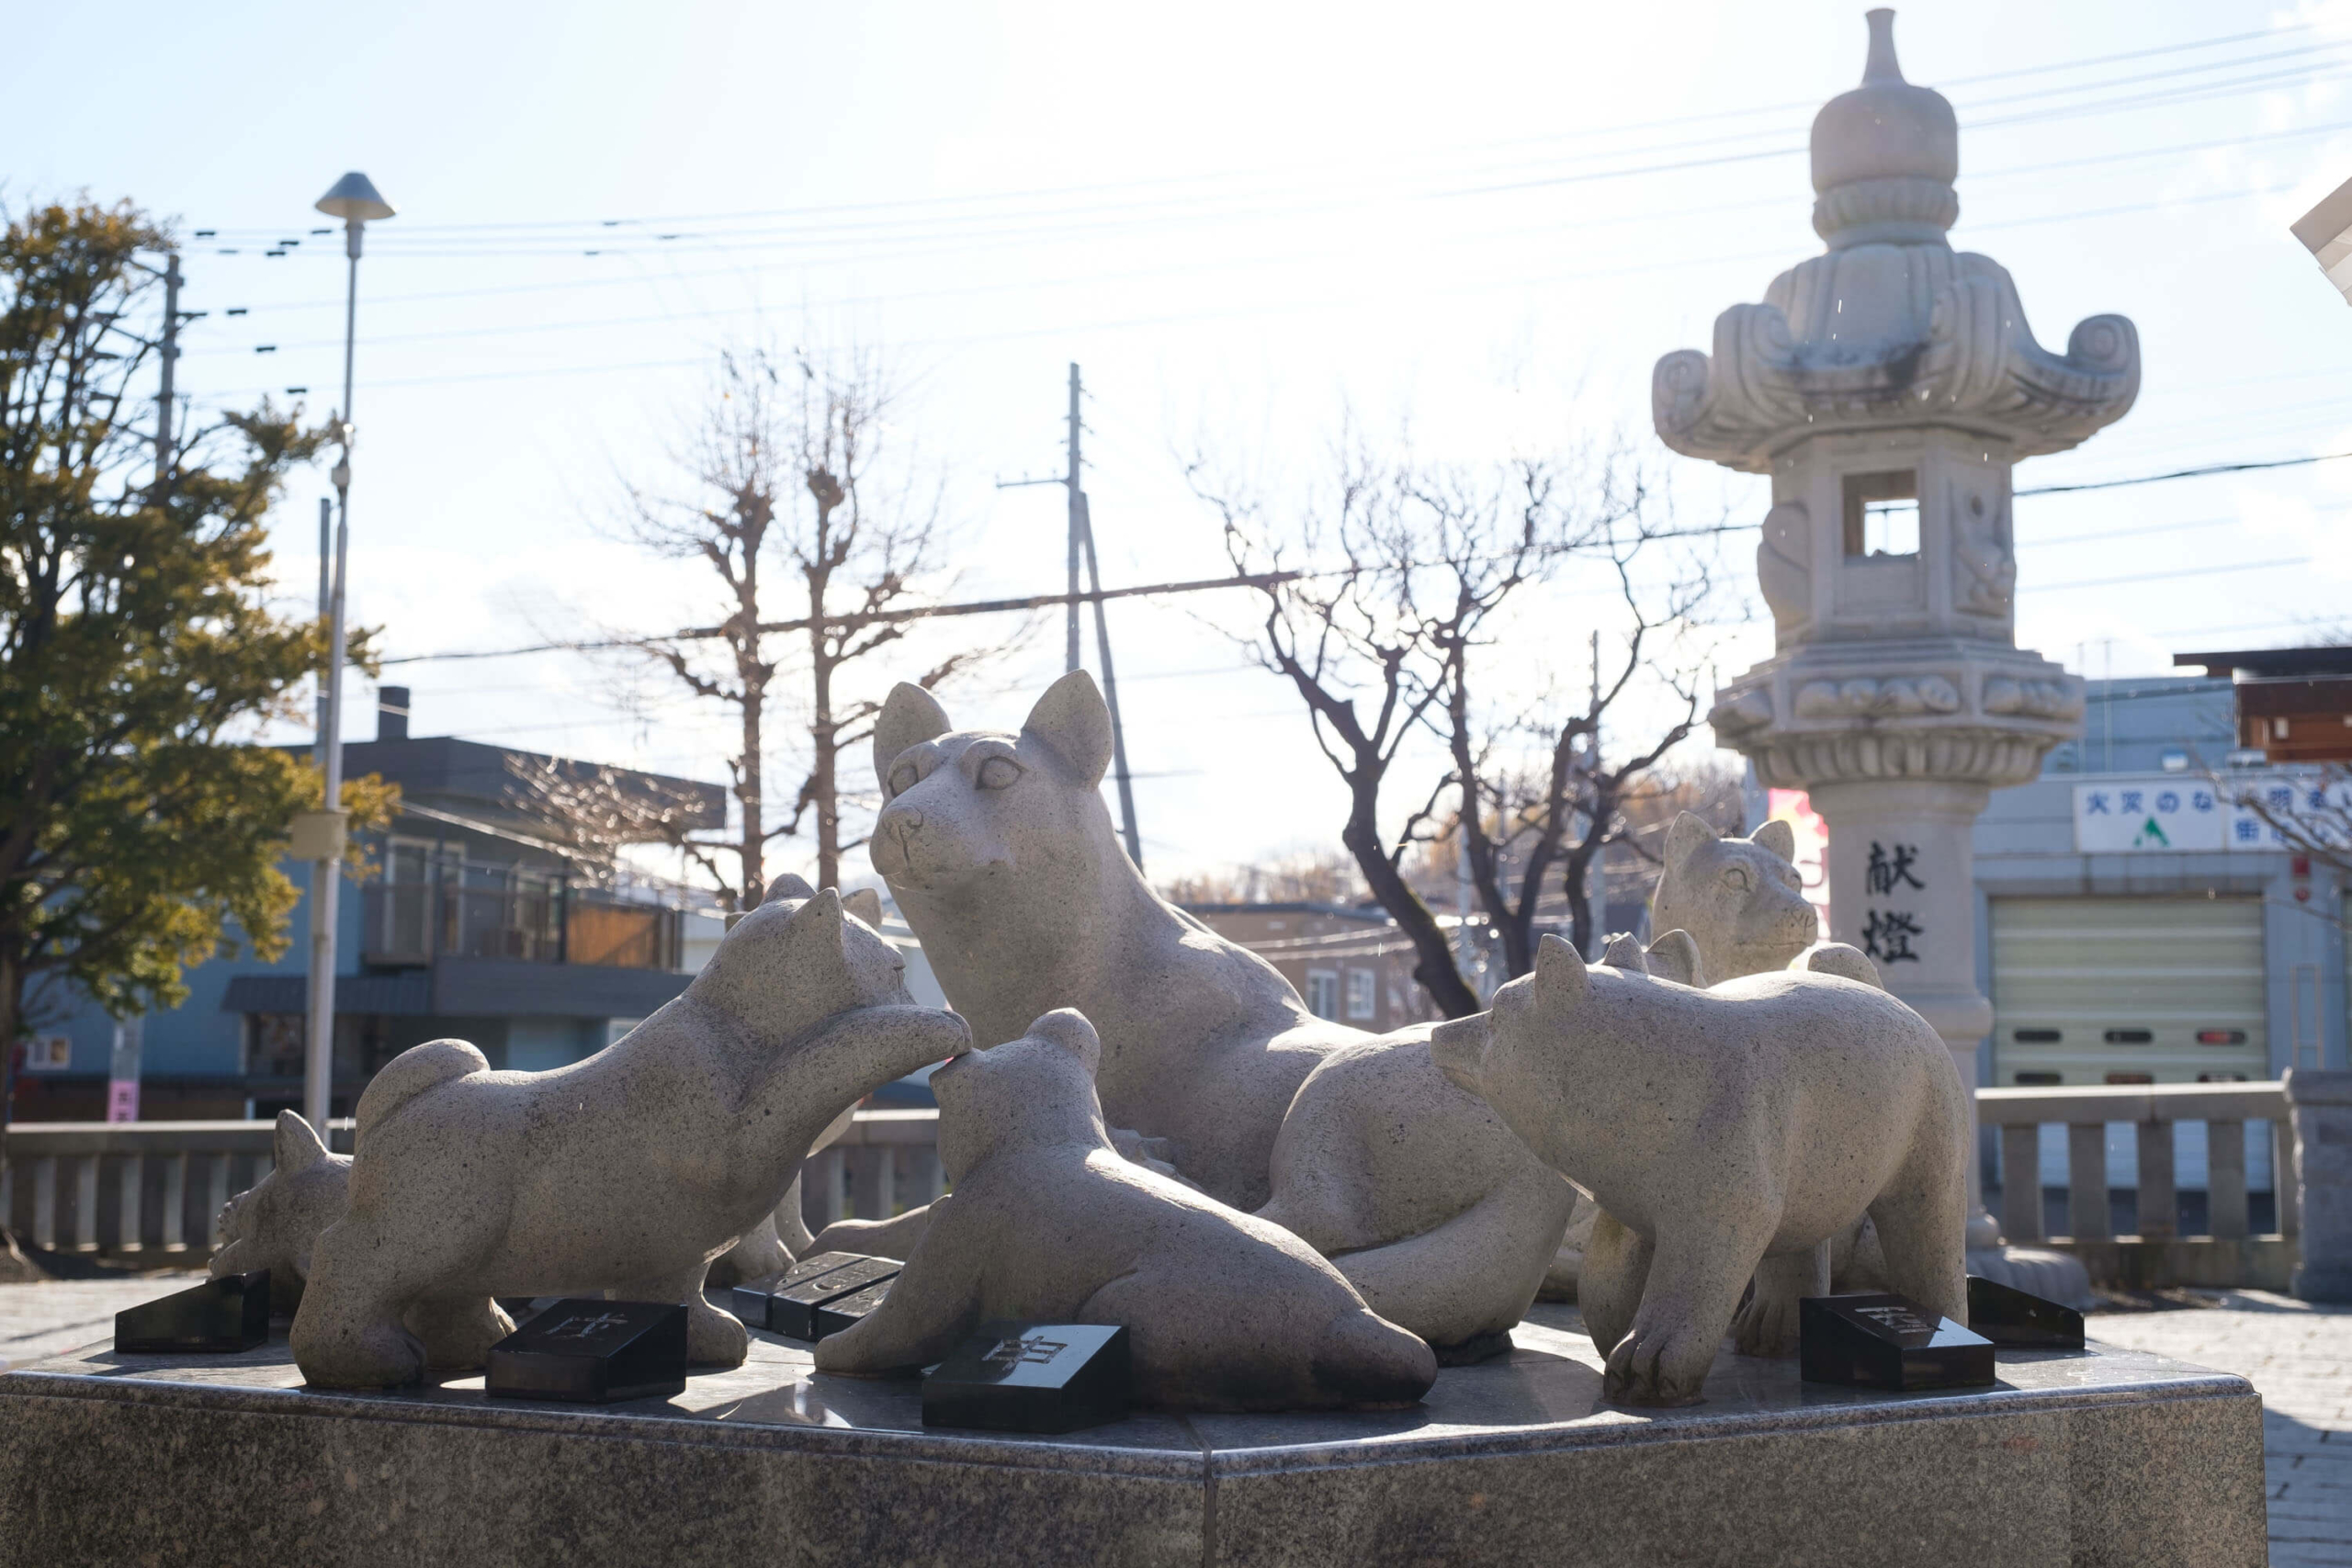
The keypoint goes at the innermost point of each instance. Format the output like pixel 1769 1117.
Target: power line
pixel 926 212
pixel 2186 474
pixel 874 617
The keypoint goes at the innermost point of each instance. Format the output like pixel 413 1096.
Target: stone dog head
pixel 1540 1042
pixel 798 959
pixel 1740 899
pixel 272 1224
pixel 968 808
pixel 1035 1090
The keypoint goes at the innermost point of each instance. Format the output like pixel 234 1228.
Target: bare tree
pixel 591 812
pixel 789 468
pixel 1396 633
pixel 2309 813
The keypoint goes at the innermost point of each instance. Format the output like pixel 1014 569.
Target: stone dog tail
pixel 1367 1360
pixel 409 1074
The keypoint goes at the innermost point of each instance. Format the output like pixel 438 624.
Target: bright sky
pixel 1239 218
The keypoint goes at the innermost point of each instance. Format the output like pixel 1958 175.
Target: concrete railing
pixel 132 1190
pixel 2230 1253
pixel 886 1163
pixel 141 1190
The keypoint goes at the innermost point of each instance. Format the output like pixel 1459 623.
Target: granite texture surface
pixel 2111 1456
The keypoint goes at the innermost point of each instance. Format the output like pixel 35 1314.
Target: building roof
pixel 2270 662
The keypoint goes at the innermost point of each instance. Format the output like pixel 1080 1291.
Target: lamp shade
pixel 354 199
pixel 2326 231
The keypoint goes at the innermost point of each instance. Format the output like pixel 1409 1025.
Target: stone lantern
pixel 1888 385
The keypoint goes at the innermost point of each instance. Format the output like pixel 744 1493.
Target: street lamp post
pixel 354 200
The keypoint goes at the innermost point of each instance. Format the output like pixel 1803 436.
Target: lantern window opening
pixel 1882 515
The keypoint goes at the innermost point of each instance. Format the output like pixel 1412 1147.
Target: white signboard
pixel 2178 813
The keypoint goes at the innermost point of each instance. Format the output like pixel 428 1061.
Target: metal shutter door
pixel 2087 987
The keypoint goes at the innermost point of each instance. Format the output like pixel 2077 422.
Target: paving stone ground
pixel 2298 1355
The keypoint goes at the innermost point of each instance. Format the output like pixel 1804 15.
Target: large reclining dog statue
pixel 629 1171
pixel 1000 854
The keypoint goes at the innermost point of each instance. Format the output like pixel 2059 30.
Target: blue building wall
pixel 197 1039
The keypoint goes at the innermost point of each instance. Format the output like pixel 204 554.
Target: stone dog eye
pixel 1736 879
pixel 902 778
pixel 998 772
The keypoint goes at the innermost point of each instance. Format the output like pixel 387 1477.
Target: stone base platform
pixel 2108 1456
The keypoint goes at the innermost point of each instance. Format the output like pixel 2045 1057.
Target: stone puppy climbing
pixel 1048 1223
pixel 630 1171
pixel 1724 1134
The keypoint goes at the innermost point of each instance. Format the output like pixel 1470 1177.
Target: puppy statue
pixel 272 1223
pixel 629 1171
pixel 1048 1223
pixel 1724 1134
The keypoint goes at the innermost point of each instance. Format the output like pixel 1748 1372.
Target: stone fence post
pixel 2320 1104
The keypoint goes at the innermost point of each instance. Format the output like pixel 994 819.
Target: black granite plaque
pixel 793 1310
pixel 2017 1320
pixel 1877 1340
pixel 846 1311
pixel 1030 1377
pixel 225 1314
pixel 754 1300
pixel 593 1352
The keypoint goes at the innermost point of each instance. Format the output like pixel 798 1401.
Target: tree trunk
pixel 748 790
pixel 1435 967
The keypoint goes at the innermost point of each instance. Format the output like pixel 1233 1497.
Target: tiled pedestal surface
pixel 2113 1457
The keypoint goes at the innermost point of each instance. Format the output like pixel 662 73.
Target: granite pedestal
pixel 2105 1456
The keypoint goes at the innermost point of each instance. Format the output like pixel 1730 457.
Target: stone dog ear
pixel 911 716
pixel 1561 978
pixel 866 905
pixel 816 931
pixel 1689 832
pixel 1625 952
pixel 788 887
pixel 1068 1027
pixel 1778 838
pixel 1675 956
pixel 1072 721
pixel 296 1147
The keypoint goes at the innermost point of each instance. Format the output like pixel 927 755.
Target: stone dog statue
pixel 1000 854
pixel 1725 1134
pixel 1048 1223
pixel 1418 1192
pixel 272 1223
pixel 1740 899
pixel 1742 903
pixel 630 1171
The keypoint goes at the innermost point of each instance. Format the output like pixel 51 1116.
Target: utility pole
pixel 357 203
pixel 1082 544
pixel 163 404
pixel 326 608
pixel 1110 683
pixel 1076 509
pixel 1597 868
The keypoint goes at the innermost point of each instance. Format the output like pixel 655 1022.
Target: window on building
pixel 1363 993
pixel 1323 993
pixel 1882 513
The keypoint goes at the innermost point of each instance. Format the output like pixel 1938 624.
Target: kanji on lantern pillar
pixel 1888 385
